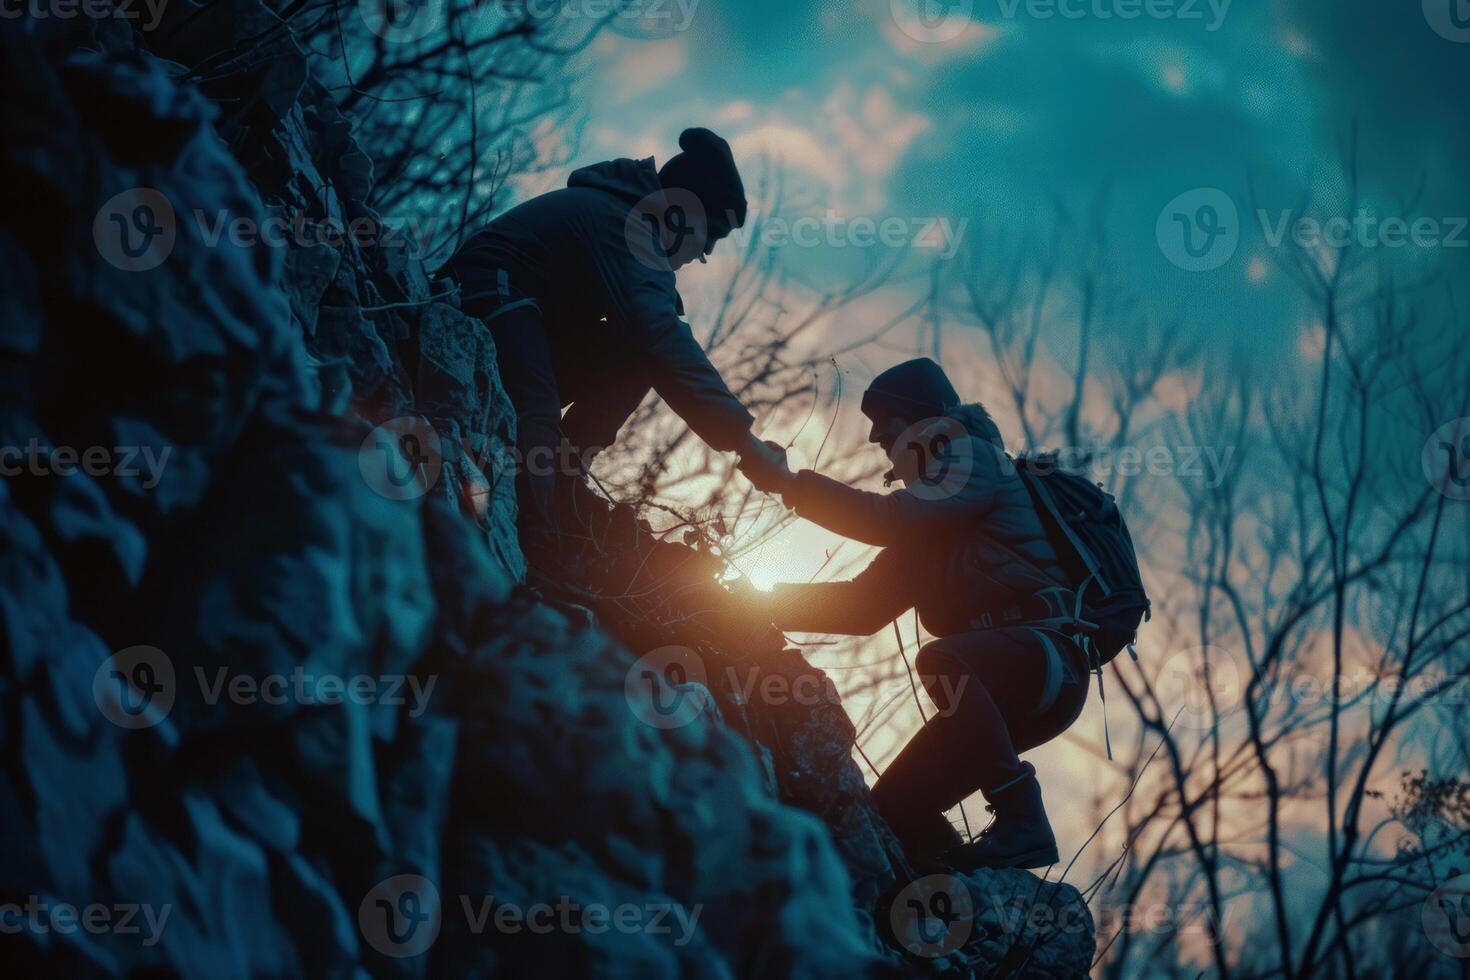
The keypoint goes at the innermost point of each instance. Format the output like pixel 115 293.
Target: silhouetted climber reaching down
pixel 965 544
pixel 577 289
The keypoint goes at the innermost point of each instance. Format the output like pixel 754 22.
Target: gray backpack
pixel 1091 540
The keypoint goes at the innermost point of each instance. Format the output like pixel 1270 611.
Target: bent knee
pixel 941 673
pixel 935 659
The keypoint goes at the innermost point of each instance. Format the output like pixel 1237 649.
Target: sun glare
pixel 794 555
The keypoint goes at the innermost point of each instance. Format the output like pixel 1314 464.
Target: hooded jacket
pixel 573 251
pixel 953 557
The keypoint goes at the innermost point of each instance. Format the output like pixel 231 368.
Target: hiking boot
pixel 1020 836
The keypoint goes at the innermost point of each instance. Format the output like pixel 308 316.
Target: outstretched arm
pixel 643 307
pixel 856 607
pixel 883 519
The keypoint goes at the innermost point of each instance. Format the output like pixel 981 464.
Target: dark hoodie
pixel 571 251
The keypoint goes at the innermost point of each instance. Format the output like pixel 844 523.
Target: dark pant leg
pixel 1040 727
pixel 524 359
pixel 987 686
pixel 919 786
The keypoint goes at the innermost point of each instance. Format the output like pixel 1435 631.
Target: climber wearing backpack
pixel 577 289
pixel 969 544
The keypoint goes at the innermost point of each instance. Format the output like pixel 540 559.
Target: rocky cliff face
pixel 285 713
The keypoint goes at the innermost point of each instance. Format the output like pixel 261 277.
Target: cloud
pixel 792 146
pixel 648 65
pixel 878 134
pixel 733 112
pixel 852 142
pixel 1171 66
pixel 975 38
pixel 546 168
pixel 1176 390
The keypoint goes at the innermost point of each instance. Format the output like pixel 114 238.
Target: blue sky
pixel 1024 106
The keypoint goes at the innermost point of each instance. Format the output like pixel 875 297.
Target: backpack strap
pixel 1055 669
pixel 1056 607
pixel 1094 665
pixel 1053 608
pixel 1041 494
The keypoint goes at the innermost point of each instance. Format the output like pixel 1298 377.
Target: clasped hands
pixel 764 465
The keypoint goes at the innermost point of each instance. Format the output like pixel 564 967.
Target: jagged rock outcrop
pixel 147 603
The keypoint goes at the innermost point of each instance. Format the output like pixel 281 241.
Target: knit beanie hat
pixel 706 169
pixel 913 390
